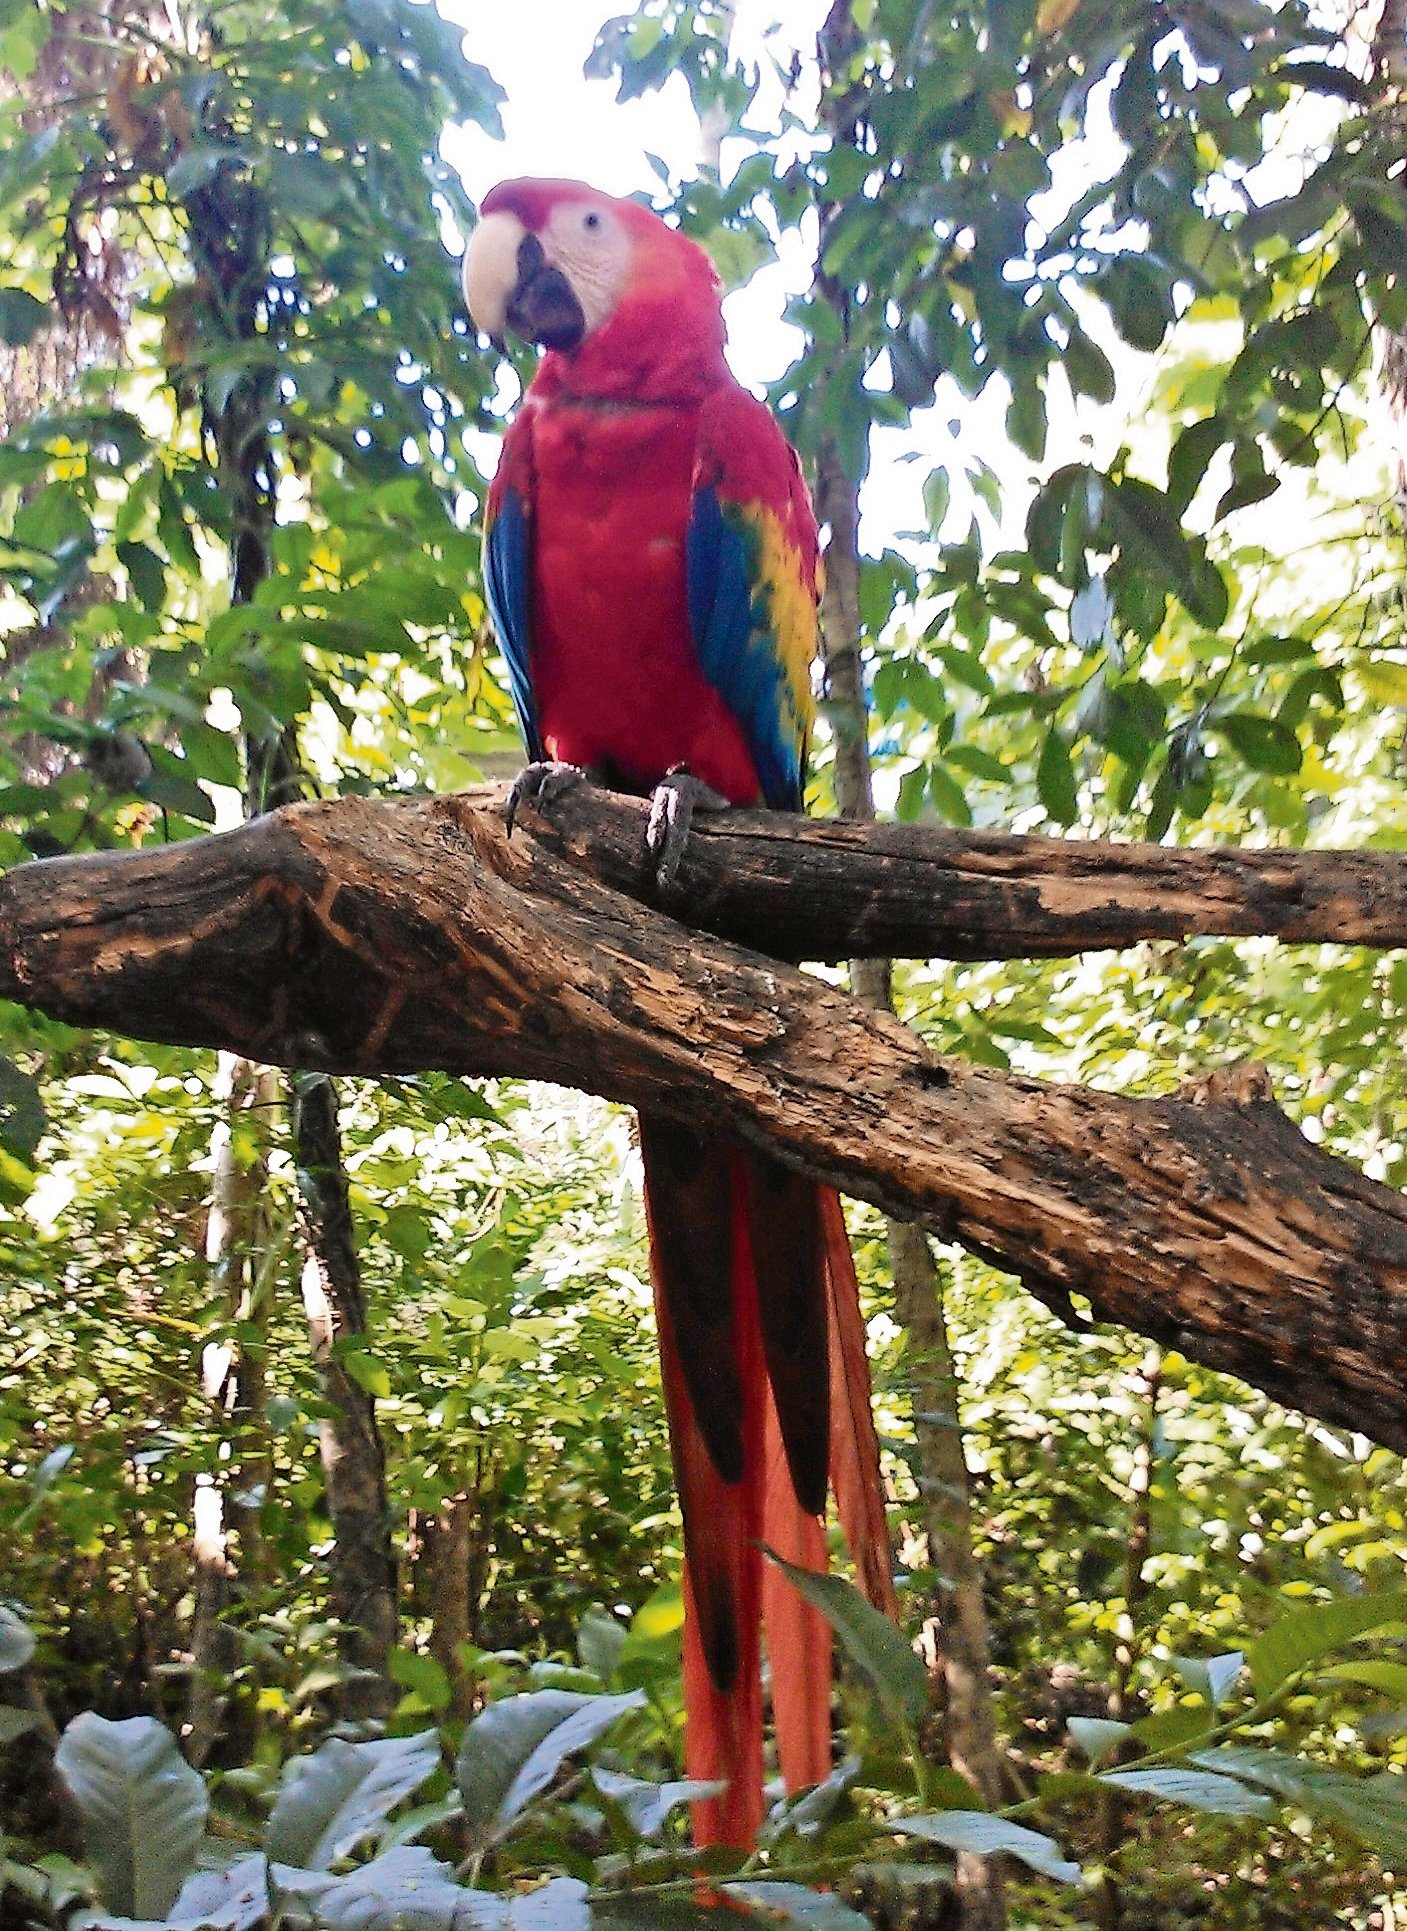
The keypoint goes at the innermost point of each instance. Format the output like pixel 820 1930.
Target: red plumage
pixel 652 565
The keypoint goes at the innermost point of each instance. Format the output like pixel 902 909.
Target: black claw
pixel 673 803
pixel 538 784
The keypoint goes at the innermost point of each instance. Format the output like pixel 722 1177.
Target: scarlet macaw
pixel 651 565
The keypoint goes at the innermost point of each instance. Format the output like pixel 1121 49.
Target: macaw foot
pixel 539 784
pixel 673 803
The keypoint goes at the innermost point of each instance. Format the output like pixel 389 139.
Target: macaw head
pixel 572 269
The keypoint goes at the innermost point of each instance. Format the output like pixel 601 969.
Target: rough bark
pixel 450 1542
pixel 374 938
pixel 814 889
pixel 362 1572
pixel 230 228
pixel 237 1247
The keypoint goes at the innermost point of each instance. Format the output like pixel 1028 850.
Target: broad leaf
pixel 647 1805
pixel 976 1830
pixel 1199 1789
pixel 799 1904
pixel 1211 1676
pixel 599 1641
pixel 1312 1631
pixel 406 1889
pixel 1374 1809
pixel 813 1809
pixel 142 1807
pixel 1096 1735
pixel 869 1639
pixel 16 1641
pixel 513 1750
pixel 558 1906
pixel 233 1898
pixel 335 1799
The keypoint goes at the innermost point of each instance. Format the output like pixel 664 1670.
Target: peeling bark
pixel 814 889
pixel 374 938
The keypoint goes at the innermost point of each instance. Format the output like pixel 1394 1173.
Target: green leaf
pixel 1374 1809
pixel 1384 679
pixel 1026 419
pixel 1372 1674
pixel 232 1897
pixel 147 572
pixel 22 1117
pixel 978 763
pixel 175 791
pixel 142 1809
pixel 798 1904
pixel 332 1801
pixel 600 1638
pixel 1088 368
pixel 424 1676
pixel 873 1644
pixel 1198 1789
pixel 937 494
pixel 1097 1736
pixel 1190 458
pixel 947 796
pixel 1312 1631
pixel 405 1889
pixel 22 315
pixel 647 1806
pixel 1212 1676
pixel 1261 742
pixel 1139 300
pixel 16 1641
pixel 975 1830
pixel 513 1750
pixel 197 167
pixel 1055 779
pixel 913 790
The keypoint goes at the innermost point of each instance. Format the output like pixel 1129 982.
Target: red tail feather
pixel 798 1638
pixel 758 1346
pixel 859 1496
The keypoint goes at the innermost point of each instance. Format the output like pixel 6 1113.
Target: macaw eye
pixel 591 221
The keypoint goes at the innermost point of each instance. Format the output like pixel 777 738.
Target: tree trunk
pixel 239 1246
pixel 451 1542
pixel 945 1482
pixel 363 1570
pixel 229 229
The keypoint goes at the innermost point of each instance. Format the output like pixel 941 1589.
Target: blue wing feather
pixel 507 582
pixel 736 649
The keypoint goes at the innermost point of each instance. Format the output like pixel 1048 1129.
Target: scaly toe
pixel 673 803
pixel 538 784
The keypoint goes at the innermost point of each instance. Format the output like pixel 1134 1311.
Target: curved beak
pixel 510 284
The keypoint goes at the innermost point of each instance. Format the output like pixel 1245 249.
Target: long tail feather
pixel 784 1231
pixel 798 1637
pixel 766 1382
pixel 712 1365
pixel 855 1476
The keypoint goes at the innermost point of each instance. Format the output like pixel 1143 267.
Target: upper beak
pixel 509 283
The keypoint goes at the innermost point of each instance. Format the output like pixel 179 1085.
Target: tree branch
pixel 816 889
pixel 393 937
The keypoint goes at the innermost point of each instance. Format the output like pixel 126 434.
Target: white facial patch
pixel 490 270
pixel 589 243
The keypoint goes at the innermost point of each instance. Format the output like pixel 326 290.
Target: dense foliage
pixel 1140 251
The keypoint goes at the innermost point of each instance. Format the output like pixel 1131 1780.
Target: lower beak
pixel 543 306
